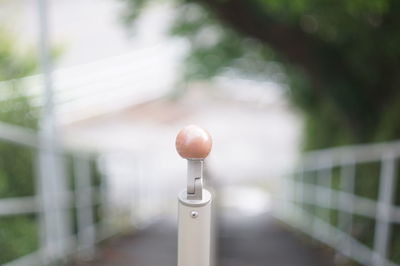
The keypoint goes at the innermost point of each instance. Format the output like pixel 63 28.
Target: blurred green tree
pixel 16 163
pixel 340 58
pixel 18 234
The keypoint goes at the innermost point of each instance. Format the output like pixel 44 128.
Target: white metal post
pixel 291 195
pixel 347 183
pixel 324 178
pixel 300 193
pixel 194 234
pixel 194 207
pixel 52 184
pixel 385 199
pixel 84 205
pixel 286 185
pixel 104 230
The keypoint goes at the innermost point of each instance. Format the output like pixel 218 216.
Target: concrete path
pixel 248 241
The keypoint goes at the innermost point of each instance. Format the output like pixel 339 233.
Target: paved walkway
pixel 249 241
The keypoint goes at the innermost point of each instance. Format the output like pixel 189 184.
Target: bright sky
pixel 86 30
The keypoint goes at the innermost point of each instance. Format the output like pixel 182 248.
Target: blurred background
pixel 301 98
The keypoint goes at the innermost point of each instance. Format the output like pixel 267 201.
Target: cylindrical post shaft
pixel 194 230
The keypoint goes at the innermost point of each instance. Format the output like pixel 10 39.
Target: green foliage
pixel 15 106
pixel 18 234
pixel 215 49
pixel 16 171
pixel 14 64
pixel 367 180
pixel 132 10
pixel 315 132
pixel 16 162
pixel 394 253
pixel 363 230
pixel 18 237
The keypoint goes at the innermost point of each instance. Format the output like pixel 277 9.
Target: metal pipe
pixel 194 205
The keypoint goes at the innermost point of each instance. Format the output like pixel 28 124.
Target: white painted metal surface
pixel 51 183
pixel 194 233
pixel 194 212
pixel 84 206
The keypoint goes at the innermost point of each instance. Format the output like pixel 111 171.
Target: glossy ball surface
pixel 193 142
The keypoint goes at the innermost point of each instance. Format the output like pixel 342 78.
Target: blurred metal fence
pixel 85 198
pixel 321 199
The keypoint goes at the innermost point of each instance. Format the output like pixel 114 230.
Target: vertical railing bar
pixel 136 193
pixel 314 198
pixel 101 196
pixel 141 193
pixel 133 196
pixel 324 178
pixel 300 193
pixel 43 209
pixel 51 173
pixel 84 206
pixel 383 216
pixel 104 198
pixel 347 185
pixel 293 195
pixel 288 199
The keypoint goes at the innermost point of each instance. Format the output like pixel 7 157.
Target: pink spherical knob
pixel 193 142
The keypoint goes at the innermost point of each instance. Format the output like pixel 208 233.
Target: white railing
pixel 323 188
pixel 120 210
pixel 83 198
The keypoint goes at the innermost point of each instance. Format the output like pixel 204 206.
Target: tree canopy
pixel 340 58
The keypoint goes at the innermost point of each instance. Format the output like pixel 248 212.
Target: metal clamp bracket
pixel 195 179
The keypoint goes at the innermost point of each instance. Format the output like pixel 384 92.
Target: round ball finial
pixel 193 142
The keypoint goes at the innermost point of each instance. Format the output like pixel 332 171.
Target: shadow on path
pixel 263 241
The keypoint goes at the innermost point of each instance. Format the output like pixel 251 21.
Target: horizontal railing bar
pixel 29 138
pixel 18 135
pixel 361 205
pixel 15 206
pixel 354 154
pixel 30 205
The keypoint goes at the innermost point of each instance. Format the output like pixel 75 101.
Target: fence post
pixel 383 214
pixel 105 222
pixel 52 184
pixel 324 179
pixel 299 189
pixel 84 206
pixel 347 182
pixel 54 203
pixel 295 189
